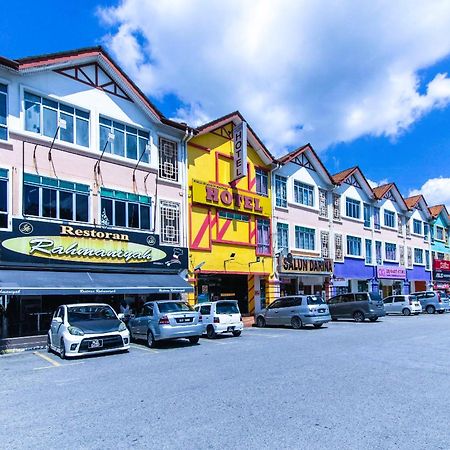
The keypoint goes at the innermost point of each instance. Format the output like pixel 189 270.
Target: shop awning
pixel 40 282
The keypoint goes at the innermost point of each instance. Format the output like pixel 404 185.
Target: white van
pixel 222 316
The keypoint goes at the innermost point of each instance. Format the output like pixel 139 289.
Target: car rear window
pixel 171 307
pixel 375 297
pixel 227 308
pixel 413 298
pixel 315 300
pixel 82 313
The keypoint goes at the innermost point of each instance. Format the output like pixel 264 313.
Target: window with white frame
pixel 280 191
pixel 234 216
pixel 353 246
pixel 427 259
pixel 426 231
pixel 378 255
pixel 305 238
pixel 283 238
pixel 4 198
pixel 262 181
pixel 125 209
pixel 263 236
pixel 418 256
pixel 55 198
pixel 389 219
pixel 367 214
pixel 439 233
pixel 417 226
pixel 3 112
pixel 170 222
pixel 376 218
pixel 51 118
pixel 303 193
pixel 168 159
pixel 390 251
pixel 128 141
pixel 352 208
pixel 368 251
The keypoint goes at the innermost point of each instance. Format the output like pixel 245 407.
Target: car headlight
pixel 122 326
pixel 75 331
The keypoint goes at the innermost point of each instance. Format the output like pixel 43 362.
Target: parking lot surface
pixel 371 385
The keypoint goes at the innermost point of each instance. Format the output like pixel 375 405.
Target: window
pixel 303 193
pixel 54 198
pixel 439 233
pixel 417 226
pixel 376 218
pixel 49 118
pixel 390 251
pixel 440 256
pixel 206 310
pixel 168 160
pixel 3 112
pixel 426 231
pixel 261 181
pixel 378 252
pixel 263 237
pixel 233 216
pixel 352 208
pixel 170 222
pixel 427 259
pixel 305 238
pixel 128 142
pixel 283 238
pixel 367 221
pixel 280 191
pixel 389 219
pixel 368 251
pixel 353 246
pixel 3 198
pixel 323 203
pixel 418 256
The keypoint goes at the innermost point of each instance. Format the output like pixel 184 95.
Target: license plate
pixel 96 343
pixel 230 329
pixel 184 320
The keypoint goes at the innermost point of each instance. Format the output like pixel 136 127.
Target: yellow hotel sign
pixel 228 198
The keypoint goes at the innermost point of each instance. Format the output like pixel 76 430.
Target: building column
pixel 192 296
pixel 251 294
pixel 406 287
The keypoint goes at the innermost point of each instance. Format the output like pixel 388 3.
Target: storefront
pixel 392 280
pixel 44 264
pixel 441 274
pixel 302 275
pixel 353 275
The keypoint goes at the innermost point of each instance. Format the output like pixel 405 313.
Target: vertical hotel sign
pixel 240 151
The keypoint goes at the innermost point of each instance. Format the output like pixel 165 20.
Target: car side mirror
pixel 58 319
pixel 121 316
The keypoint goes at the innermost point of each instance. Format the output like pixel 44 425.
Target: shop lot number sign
pixel 60 243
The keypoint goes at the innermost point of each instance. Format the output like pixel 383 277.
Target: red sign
pixel 440 264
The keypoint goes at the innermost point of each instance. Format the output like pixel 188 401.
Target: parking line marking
pixel 47 358
pixel 144 349
pixel 59 365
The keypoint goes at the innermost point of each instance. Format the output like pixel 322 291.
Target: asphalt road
pixel 381 385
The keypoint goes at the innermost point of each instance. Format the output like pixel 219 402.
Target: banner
pixel 391 273
pixel 306 266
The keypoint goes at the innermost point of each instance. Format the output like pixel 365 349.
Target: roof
pixel 30 63
pixel 411 202
pixel 231 117
pixel 381 191
pixel 340 177
pixel 437 209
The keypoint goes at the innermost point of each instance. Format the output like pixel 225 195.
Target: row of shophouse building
pixel 102 198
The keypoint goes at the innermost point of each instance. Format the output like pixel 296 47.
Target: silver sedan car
pixel 165 320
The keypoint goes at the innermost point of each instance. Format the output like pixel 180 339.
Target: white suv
pixel 222 316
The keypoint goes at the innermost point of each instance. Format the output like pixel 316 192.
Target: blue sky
pixel 366 85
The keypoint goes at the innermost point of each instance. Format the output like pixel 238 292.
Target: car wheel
pixel 430 309
pixel 150 339
pixel 237 333
pixel 62 350
pixel 296 323
pixel 373 319
pixel 406 312
pixel 49 347
pixel 210 332
pixel 318 325
pixel 260 322
pixel 358 316
pixel 194 339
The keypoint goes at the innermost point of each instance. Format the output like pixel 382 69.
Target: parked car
pixel 402 304
pixel 445 299
pixel 86 328
pixel 222 316
pixel 166 320
pixel 357 306
pixel 431 302
pixel 295 311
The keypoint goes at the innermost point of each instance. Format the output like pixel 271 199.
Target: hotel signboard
pixel 240 151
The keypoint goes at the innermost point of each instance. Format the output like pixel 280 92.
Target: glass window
pixel 352 208
pixel 439 233
pixel 3 111
pixel 389 219
pixel 353 246
pixel 261 181
pixel 427 259
pixel 49 203
pixel 417 226
pixel 418 256
pixel 206 310
pixel 368 251
pixel 305 238
pixel 378 252
pixel 388 300
pixel 303 193
pixel 133 215
pixel 173 307
pixel 263 236
pixel 233 216
pixel 283 238
pixel 227 308
pixel 170 222
pixel 43 115
pixel 280 191
pixel 4 200
pixel 168 160
pixel 376 218
pixel 426 231
pixel 390 251
pixel 367 212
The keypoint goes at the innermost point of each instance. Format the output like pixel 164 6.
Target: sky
pixel 366 83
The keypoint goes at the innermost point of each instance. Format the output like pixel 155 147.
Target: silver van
pixel 295 311
pixel 431 302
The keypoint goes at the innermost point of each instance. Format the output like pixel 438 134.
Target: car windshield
pixel 227 308
pixel 93 312
pixel 171 307
pixel 375 297
pixel 315 300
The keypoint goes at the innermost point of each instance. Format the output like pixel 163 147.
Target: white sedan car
pixel 86 328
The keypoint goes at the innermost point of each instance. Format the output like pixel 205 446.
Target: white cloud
pixel 374 184
pixel 299 71
pixel 436 191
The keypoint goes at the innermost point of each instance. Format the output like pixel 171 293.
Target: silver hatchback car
pixel 165 320
pixel 402 304
pixel 295 311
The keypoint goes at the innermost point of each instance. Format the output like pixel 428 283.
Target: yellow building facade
pixel 230 219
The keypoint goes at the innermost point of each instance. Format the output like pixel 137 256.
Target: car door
pixel 205 312
pixel 399 303
pixel 56 325
pixel 272 313
pixel 388 305
pixel 347 306
pixel 286 311
pixel 145 319
pixel 333 305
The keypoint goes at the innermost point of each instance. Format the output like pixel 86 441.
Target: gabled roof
pixel 436 210
pixel 63 59
pixel 236 117
pixel 340 177
pixel 283 160
pixel 411 202
pixel 417 201
pixel 381 191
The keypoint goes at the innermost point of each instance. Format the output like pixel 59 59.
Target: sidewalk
pixel 9 345
pixel 248 321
